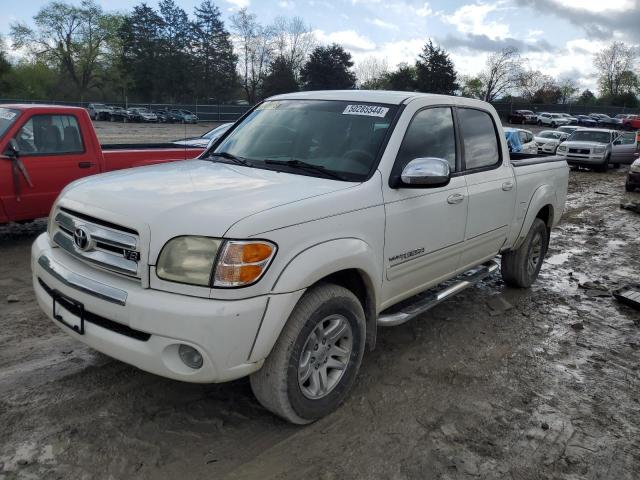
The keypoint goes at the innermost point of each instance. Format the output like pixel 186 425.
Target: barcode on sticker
pixel 367 110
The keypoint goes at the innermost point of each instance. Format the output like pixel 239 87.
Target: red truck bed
pixel 58 145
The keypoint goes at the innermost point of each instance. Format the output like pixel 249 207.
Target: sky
pixel 558 37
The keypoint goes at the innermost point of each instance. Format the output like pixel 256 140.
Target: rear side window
pixel 481 147
pixel 430 134
pixel 50 135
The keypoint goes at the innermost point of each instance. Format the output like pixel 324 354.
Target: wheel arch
pixel 349 262
pixel 541 206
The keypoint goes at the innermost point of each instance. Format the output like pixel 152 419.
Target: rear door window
pixel 50 135
pixel 480 138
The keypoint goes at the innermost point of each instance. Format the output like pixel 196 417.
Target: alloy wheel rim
pixel 325 356
pixel 535 254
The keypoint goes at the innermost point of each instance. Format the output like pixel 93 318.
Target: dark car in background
pixel 523 117
pixel 165 116
pixel 586 121
pixel 123 115
pixel 604 120
pixel 185 116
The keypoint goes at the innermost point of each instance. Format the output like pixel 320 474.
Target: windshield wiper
pixel 230 156
pixel 302 165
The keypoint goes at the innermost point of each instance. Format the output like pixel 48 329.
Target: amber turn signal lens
pixel 256 252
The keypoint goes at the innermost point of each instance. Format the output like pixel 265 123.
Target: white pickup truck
pixel 313 220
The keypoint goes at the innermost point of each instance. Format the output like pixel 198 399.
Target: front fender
pixel 308 267
pixel 542 196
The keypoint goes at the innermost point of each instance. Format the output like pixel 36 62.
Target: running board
pixel 465 280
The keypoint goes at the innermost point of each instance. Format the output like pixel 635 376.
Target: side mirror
pixel 426 172
pixel 13 150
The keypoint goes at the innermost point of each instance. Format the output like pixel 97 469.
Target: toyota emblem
pixel 82 239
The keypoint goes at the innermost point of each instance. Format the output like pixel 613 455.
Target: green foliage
pixel 31 81
pixel 280 78
pixel 587 98
pixel 70 38
pixel 435 71
pixel 403 79
pixel 328 68
pixel 472 87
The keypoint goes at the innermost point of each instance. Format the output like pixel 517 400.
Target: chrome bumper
pixel 84 284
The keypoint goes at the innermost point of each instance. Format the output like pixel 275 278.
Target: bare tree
pixel 531 82
pixel 255 45
pixel 501 73
pixel 568 89
pixel 293 40
pixel 72 38
pixel 611 63
pixel 370 69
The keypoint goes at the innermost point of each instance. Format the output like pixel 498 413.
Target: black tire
pixel 605 166
pixel 539 123
pixel 628 187
pixel 515 265
pixel 553 124
pixel 276 384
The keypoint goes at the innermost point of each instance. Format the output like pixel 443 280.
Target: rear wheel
pixel 520 267
pixel 314 363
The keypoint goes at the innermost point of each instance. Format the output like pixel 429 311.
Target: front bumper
pixel 144 327
pixel 592 160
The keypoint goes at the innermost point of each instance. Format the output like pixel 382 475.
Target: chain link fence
pixel 206 113
pixel 229 113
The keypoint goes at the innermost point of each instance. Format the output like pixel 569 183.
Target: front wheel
pixel 314 362
pixel 520 267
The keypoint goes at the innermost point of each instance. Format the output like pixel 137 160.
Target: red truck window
pixel 50 135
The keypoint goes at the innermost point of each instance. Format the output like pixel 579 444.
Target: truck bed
pixel 524 159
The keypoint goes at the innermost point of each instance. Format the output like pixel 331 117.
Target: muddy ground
pixel 548 389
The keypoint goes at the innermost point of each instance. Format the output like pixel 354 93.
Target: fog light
pixel 190 356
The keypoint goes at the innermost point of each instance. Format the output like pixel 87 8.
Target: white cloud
pixel 239 3
pixel 382 24
pixel 288 4
pixel 349 39
pixel 473 19
pixel 402 51
pixel 597 6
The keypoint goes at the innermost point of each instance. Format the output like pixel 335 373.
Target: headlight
pixel 635 168
pixel 599 149
pixel 192 260
pixel 188 260
pixel 562 148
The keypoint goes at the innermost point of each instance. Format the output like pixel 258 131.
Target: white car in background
pixel 552 119
pixel 547 141
pixel 568 129
pixel 204 140
pixel 572 120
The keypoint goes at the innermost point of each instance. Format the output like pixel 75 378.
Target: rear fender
pixel 543 196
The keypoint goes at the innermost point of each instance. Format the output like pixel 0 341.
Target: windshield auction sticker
pixel 6 114
pixel 366 110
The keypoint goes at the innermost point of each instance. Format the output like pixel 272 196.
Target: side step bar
pixel 465 280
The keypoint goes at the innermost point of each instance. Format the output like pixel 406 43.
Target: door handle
pixel 455 198
pixel 85 164
pixel 506 186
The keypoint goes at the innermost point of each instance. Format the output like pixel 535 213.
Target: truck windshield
pixel 340 139
pixel 590 136
pixel 7 117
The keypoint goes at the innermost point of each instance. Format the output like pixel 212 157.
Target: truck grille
pixel 101 243
pixel 583 151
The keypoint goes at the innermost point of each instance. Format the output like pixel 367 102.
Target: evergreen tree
pixel 173 77
pixel 328 68
pixel 141 35
pixel 435 71
pixel 280 78
pixel 403 79
pixel 215 63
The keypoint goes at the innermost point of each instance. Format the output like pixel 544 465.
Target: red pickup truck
pixel 632 122
pixel 45 147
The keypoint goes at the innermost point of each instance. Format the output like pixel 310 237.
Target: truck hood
pixel 195 197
